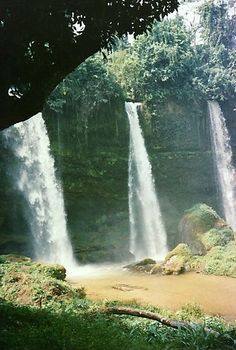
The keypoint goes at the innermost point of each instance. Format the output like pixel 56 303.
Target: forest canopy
pixel 165 63
pixel 43 41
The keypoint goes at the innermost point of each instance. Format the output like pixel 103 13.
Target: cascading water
pixel 35 179
pixel 147 232
pixel 226 173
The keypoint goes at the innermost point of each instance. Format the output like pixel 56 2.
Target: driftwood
pixel 156 317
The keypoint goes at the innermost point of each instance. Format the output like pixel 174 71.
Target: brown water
pixel 216 295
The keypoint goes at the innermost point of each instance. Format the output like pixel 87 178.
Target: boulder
pixel 146 261
pixel 196 222
pixel 181 250
pixel 177 260
pixel 144 265
pixel 174 265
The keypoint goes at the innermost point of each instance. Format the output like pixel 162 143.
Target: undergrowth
pixel 82 325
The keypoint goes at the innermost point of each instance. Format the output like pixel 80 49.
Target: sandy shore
pixel 215 294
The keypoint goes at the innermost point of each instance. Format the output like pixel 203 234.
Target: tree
pixel 159 65
pixel 215 73
pixel 43 41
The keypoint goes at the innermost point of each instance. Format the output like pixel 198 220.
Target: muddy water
pixel 215 294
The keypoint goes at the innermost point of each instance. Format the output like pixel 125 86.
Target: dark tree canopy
pixel 41 41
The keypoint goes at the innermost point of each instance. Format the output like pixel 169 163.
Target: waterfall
pixel 223 158
pixel 35 178
pixel 147 232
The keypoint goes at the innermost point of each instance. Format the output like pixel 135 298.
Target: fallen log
pixel 156 317
pixel 147 314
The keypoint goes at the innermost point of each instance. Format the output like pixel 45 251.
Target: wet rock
pixel 144 265
pixel 146 261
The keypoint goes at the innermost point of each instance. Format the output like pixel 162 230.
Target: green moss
pixel 51 270
pixel 35 283
pixel 146 261
pixel 14 258
pixel 182 250
pixel 217 237
pixel 221 260
pixel 202 217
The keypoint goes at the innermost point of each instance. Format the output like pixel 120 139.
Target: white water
pixel 147 231
pixel 35 179
pixel 226 173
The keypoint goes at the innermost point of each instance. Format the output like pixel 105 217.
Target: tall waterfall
pixel 226 173
pixel 147 232
pixel 35 179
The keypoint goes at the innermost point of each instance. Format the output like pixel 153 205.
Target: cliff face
pixel 93 163
pixel 91 156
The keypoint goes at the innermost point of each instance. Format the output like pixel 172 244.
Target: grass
pixel 85 327
pixel 58 317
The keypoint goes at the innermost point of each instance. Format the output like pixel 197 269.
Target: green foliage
pixel 72 323
pixel 220 260
pixel 215 64
pixel 92 329
pixel 88 87
pixel 158 63
pixel 191 312
pixel 35 283
pixel 166 63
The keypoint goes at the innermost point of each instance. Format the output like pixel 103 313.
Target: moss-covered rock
pixel 176 260
pixel 201 219
pixel 156 269
pixel 220 260
pixel 146 261
pixel 216 237
pixel 144 265
pixel 174 265
pixel 181 250
pixel 36 284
